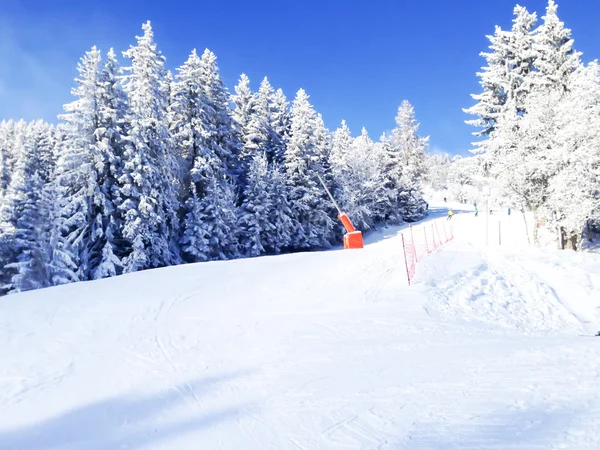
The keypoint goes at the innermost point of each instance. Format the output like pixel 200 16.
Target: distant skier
pixel 509 211
pixel 476 210
pixel 450 214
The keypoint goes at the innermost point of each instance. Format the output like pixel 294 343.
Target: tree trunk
pixel 526 227
pixel 562 237
pixel 571 240
pixel 536 225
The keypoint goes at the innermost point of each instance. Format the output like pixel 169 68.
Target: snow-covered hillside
pixel 490 348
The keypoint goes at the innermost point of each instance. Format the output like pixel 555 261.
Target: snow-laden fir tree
pixel 254 219
pixel 280 124
pixel 573 191
pixel 391 176
pixel 198 117
pixel 305 158
pixel 26 214
pixel 411 149
pixel 356 166
pixel 222 137
pixel 111 136
pixel 211 231
pixel 271 112
pixel 7 155
pixel 555 57
pixel 251 128
pixel 279 235
pixel 437 171
pixel 88 167
pixel 505 78
pixel 150 174
pixel 188 117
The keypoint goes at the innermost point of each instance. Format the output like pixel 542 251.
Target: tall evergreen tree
pixel 556 59
pixel 250 128
pixel 305 158
pixel 254 219
pixel 149 179
pixel 199 121
pixel 279 235
pixel 273 120
pixel 357 176
pixel 112 141
pixel 411 149
pixel 188 118
pixel 221 136
pixel 281 125
pixel 88 167
pixel 25 218
pixel 7 155
pixel 505 79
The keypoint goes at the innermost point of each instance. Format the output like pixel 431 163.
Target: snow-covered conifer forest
pixel 149 168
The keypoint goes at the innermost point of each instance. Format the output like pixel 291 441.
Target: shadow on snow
pixel 123 422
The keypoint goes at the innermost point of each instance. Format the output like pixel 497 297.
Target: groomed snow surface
pixel 490 348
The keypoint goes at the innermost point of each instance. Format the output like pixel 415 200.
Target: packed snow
pixel 492 347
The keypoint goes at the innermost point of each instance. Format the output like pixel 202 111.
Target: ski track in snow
pixel 489 349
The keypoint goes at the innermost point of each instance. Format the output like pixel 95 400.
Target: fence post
pixel 405 261
pixel 412 238
pixel 500 232
pixel 439 235
pixel 426 243
pixel 445 234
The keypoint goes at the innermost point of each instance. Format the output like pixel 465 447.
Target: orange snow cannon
pixel 353 238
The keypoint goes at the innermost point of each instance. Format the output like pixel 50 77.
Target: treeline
pixel 149 169
pixel 539 120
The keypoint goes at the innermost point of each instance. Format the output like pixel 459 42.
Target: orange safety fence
pixel 422 240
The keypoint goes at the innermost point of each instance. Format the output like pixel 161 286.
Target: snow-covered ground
pixel 490 348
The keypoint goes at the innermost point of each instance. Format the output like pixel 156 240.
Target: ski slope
pixel 490 348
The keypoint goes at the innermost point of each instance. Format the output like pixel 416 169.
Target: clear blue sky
pixel 357 59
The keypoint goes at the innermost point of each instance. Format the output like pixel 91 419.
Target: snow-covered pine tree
pixel 149 180
pixel 15 144
pixel 391 175
pixel 7 155
pixel 281 125
pixel 88 167
pixel 437 171
pixel 356 166
pixel 254 220
pixel 411 149
pixel 268 115
pixel 76 173
pixel 505 78
pixel 494 82
pixel 273 120
pixel 279 236
pixel 222 139
pixel 305 157
pixel 556 59
pixel 573 189
pixel 111 136
pixel 25 222
pixel 211 231
pixel 251 128
pixel 198 122
pixel 187 118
